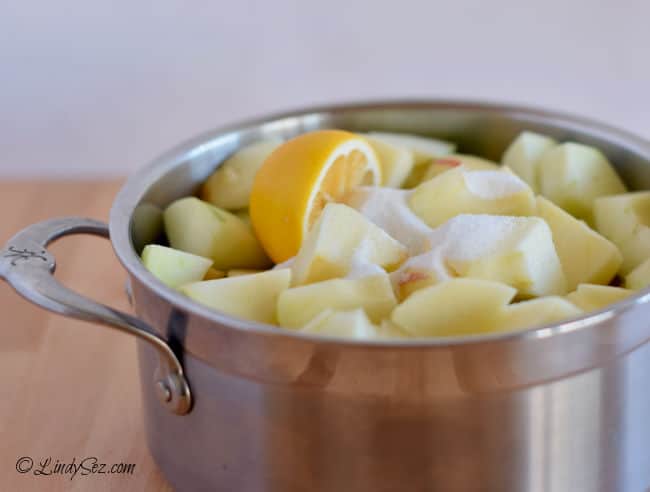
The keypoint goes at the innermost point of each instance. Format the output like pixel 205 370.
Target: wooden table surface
pixel 69 389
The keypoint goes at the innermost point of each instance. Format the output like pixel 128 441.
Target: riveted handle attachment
pixel 28 267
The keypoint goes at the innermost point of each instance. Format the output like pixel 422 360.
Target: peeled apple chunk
pixel 586 256
pixel 389 330
pixel 572 176
pixel 374 294
pixel 339 236
pixel 517 251
pixel 202 229
pixel 590 297
pixel 174 267
pixel 230 185
pixel 526 260
pixel 639 278
pixel 459 191
pixel 421 271
pixel 252 297
pixel 537 312
pixel 424 148
pixel 396 162
pixel 460 306
pixel 625 220
pixel 523 156
pixel 350 324
pixel 469 163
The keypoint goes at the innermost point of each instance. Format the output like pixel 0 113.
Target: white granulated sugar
pixel 359 266
pixel 388 208
pixel 471 236
pixel 465 237
pixel 432 262
pixel 492 184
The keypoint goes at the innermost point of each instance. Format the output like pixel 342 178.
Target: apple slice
pixel 298 305
pixel 586 256
pixel 590 297
pixel 572 176
pixel 389 330
pixel 639 278
pixel 424 148
pixel 339 236
pixel 421 271
pixel 396 162
pixel 349 324
pixel 174 267
pixel 388 209
pixel 458 192
pixel 202 229
pixel 537 312
pixel 455 307
pixel 525 259
pixel 523 156
pixel 230 185
pixel 625 220
pixel 517 251
pixel 469 163
pixel 252 297
pixel 354 324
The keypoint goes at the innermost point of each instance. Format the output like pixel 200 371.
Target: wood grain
pixel 69 389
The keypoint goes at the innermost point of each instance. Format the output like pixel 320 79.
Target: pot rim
pixel 138 183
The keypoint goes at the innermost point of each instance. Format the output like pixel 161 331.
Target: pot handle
pixel 28 267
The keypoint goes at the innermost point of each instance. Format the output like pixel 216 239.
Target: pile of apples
pixel 449 245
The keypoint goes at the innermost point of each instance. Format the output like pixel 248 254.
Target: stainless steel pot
pixel 560 408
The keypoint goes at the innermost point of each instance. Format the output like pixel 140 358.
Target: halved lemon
pixel 299 178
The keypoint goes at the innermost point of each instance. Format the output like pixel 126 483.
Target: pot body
pixel 556 408
pixel 309 418
pixel 560 408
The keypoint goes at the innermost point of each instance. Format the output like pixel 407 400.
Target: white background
pixel 92 88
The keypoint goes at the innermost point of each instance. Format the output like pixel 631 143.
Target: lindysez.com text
pixel 48 467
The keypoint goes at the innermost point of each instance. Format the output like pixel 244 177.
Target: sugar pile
pixel 432 262
pixel 472 236
pixel 465 237
pixel 388 208
pixel 360 266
